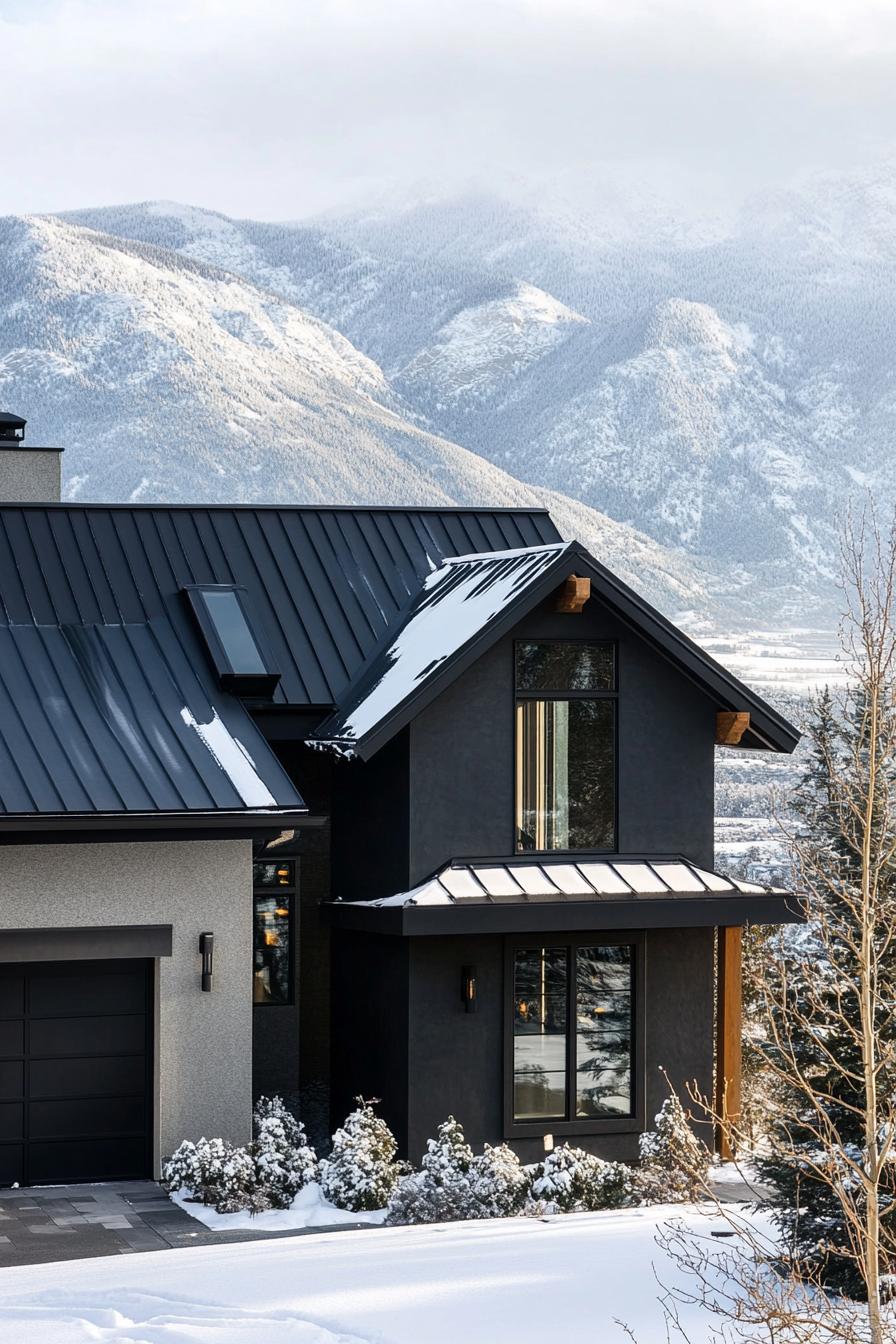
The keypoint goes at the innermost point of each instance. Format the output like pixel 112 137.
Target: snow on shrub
pixel 284 1161
pixel 571 1180
pixel 441 1191
pixel 674 1162
pixel 453 1184
pixel 215 1173
pixel 361 1172
pixel 499 1183
pixel 268 1174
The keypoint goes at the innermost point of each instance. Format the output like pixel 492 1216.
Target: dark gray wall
pixel 398 1015
pixel 370 819
pixel 461 752
pixel 369 1027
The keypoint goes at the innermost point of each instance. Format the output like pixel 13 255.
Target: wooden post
pixel 730 727
pixel 729 1033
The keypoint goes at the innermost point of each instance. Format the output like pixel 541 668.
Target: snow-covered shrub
pixel 361 1171
pixel 454 1184
pixel 442 1191
pixel 571 1181
pixel 216 1173
pixel 674 1162
pixel 284 1161
pixel 499 1183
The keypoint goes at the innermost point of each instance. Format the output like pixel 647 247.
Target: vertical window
pixel 565 746
pixel 572 1033
pixel 273 910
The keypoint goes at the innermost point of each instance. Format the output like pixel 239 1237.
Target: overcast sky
pixel 280 108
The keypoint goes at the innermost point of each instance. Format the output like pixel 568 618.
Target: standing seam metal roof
pixel 326 584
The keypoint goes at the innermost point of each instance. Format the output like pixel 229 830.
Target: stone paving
pixel 74 1222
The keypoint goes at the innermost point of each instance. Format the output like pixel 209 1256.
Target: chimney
pixel 27 475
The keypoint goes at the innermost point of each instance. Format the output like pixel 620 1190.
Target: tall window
pixel 565 746
pixel 273 910
pixel 573 1013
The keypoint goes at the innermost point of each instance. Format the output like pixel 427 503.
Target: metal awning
pixel 533 895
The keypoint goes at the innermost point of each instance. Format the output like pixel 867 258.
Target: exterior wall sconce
pixel 469 989
pixel 207 952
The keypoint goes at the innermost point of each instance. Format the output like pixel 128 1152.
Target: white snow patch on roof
pixel 453 607
pixel 233 758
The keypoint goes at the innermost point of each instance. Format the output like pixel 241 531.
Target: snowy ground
pixel 565 1280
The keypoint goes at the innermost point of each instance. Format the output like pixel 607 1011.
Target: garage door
pixel 75 1071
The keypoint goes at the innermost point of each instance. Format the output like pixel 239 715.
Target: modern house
pixel 414 803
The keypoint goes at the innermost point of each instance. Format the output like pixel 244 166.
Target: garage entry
pixel 75 1071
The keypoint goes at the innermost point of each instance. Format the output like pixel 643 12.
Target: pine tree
pixel 361 1171
pixel 284 1161
pixel 674 1162
pixel 813 1003
pixel 573 1181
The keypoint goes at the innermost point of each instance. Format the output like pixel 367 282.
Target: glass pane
pixel 270 981
pixel 604 1030
pixel 565 667
pixel 539 1033
pixel 267 874
pixel 566 778
pixel 233 631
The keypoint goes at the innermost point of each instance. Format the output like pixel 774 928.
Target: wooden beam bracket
pixel 573 594
pixel 730 727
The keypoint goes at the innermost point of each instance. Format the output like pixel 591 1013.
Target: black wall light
pixel 469 989
pixel 207 952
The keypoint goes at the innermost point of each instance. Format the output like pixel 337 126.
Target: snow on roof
pixel 456 602
pixel 519 880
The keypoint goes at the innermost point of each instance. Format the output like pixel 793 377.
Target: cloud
pixel 276 108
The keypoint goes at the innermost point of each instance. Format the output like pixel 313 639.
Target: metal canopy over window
pixel 235 643
pixel 591 892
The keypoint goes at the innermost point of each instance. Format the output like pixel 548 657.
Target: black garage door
pixel 75 1071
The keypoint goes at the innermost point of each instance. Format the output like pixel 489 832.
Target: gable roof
pixel 465 606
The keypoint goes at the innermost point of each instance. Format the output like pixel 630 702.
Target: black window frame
pixel 252 685
pixel 544 694
pixel 292 891
pixel 628 1124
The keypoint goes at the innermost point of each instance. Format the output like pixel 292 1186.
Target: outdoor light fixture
pixel 469 989
pixel 207 952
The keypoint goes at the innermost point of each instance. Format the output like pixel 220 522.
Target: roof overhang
pixel 561 894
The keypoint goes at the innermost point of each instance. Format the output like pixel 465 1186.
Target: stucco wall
pixel 29 475
pixel 203 1042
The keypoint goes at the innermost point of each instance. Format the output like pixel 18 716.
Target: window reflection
pixel 597 995
pixel 272 951
pixel 603 1031
pixel 540 1000
pixel 565 774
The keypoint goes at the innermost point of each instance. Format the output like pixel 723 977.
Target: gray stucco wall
pixel 203 1042
pixel 30 475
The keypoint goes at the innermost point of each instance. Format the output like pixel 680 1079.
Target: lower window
pixel 573 1037
pixel 272 949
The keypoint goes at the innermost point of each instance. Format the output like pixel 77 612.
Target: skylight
pixel 236 646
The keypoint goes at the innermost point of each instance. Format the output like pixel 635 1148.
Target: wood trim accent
pixel 730 727
pixel 729 1022
pixel 573 594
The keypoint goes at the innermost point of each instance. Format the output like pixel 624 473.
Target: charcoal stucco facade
pixel 400 1031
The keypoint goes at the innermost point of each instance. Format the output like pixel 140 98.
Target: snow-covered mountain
pixel 169 378
pixel 722 388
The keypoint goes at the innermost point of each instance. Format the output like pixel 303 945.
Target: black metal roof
pixel 109 706
pixel 325 584
pixel 99 721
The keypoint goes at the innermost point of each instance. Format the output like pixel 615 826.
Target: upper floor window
pixel 565 745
